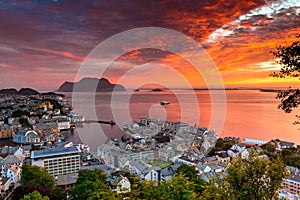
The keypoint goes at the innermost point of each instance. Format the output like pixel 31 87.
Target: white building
pixel 58 161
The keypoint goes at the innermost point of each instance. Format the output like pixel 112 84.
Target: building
pixel 66 181
pixel 119 182
pixel 6 131
pixel 253 141
pixel 58 161
pixel 291 185
pixel 26 137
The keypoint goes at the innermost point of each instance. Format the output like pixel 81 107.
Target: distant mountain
pixel 9 91
pixel 28 91
pixel 157 90
pixel 23 91
pixel 88 85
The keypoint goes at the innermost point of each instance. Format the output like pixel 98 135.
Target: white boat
pixel 164 103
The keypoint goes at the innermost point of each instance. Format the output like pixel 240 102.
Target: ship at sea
pixel 164 103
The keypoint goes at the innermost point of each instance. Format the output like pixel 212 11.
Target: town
pixel 34 126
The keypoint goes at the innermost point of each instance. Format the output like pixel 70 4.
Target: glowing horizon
pixel 43 49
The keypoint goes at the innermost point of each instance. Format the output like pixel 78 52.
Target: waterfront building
pixel 253 141
pixel 58 161
pixel 26 137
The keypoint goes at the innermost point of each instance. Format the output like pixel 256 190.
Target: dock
pixel 111 122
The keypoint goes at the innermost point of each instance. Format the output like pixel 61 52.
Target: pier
pixel 111 122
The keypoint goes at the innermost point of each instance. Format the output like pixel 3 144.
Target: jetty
pixel 111 122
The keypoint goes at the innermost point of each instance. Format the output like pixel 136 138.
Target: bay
pixel 248 113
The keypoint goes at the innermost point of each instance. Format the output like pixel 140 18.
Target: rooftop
pixel 55 152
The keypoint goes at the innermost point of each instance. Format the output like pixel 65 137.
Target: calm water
pixel 249 113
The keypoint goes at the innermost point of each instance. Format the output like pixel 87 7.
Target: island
pixel 88 85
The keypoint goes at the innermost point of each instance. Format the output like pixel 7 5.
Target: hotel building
pixel 58 161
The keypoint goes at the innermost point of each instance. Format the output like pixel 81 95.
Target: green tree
pixel 59 193
pixel 89 183
pixel 179 188
pixel 35 195
pixel 254 178
pixel 24 122
pixel 288 56
pixel 193 175
pixel 20 113
pixel 37 176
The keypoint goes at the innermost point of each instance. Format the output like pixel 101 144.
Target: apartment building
pixel 58 161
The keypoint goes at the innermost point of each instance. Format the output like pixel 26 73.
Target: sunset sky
pixel 43 42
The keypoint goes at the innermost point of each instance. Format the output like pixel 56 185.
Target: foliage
pixel 24 122
pixel 90 183
pixel 179 188
pixel 37 176
pixel 35 195
pixel 59 193
pixel 254 178
pixel 211 192
pixel 288 56
pixel 221 145
pixel 292 160
pixel 192 174
pixel 27 188
pixel 20 113
pixel 269 147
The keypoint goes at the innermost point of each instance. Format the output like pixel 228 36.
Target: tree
pixel 89 184
pixel 288 56
pixel 254 178
pixel 27 188
pixel 24 122
pixel 59 193
pixel 193 175
pixel 35 195
pixel 37 176
pixel 20 113
pixel 179 188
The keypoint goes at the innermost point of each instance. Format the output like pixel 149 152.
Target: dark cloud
pixel 51 38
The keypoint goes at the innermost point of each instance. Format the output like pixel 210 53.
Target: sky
pixel 43 43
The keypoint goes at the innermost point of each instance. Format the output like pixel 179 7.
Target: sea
pixel 239 113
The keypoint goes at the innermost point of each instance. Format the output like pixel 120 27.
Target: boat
pixel 164 103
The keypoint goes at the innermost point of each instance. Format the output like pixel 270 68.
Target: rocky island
pixel 88 85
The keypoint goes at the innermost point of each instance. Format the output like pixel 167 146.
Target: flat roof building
pixel 58 161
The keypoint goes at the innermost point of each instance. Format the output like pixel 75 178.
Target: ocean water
pixel 240 113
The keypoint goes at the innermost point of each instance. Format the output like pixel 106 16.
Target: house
pixel 11 167
pixel 26 149
pixel 185 160
pixel 14 173
pixel 232 139
pixel 137 167
pixel 212 177
pixel 66 181
pixel 4 184
pixel 222 156
pixel 236 149
pixel 143 170
pixel 152 174
pixel 284 144
pixel 167 173
pixel 119 182
pixel 166 153
pixel 26 137
pixel 209 167
pixel 6 131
